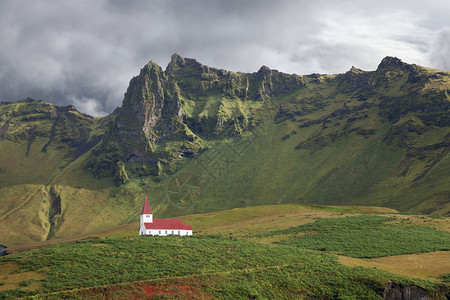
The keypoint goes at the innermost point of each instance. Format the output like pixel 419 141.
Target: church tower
pixel 146 213
pixel 146 216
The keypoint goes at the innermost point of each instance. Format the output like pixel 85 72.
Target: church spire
pixel 146 208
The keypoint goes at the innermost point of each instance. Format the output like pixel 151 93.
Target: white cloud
pixel 88 105
pixel 440 54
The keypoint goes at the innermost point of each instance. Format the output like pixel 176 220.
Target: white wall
pixel 142 229
pixel 169 232
pixel 146 218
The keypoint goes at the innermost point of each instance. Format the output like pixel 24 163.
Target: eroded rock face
pixel 151 112
pixel 273 83
pixel 356 79
pixel 152 103
pixel 175 64
pixel 395 291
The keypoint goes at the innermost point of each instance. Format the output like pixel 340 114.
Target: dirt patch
pixel 173 290
pixel 180 288
pixel 425 265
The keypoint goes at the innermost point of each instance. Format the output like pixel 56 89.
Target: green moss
pixel 120 176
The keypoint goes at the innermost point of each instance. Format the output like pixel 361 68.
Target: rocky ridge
pixel 180 108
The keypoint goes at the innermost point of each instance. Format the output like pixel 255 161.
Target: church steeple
pixel 146 213
pixel 146 208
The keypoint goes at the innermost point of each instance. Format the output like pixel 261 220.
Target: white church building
pixel 162 227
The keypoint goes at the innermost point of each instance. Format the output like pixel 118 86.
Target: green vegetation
pixel 197 139
pixel 25 283
pixel 227 268
pixel 121 176
pixel 235 262
pixel 365 237
pixel 445 277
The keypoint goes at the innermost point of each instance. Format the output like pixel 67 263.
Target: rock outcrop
pixel 395 291
pixel 151 113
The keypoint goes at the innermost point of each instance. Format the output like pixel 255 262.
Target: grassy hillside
pixel 238 222
pixel 219 267
pixel 227 140
pixel 280 223
pixel 239 260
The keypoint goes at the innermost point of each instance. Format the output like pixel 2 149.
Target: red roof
pixel 146 208
pixel 167 224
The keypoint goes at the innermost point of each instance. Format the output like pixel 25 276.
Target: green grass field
pixel 276 251
pixel 226 268
pixel 365 237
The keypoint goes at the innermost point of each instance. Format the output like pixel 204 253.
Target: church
pixel 161 227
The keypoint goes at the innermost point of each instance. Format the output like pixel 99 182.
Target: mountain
pixel 198 139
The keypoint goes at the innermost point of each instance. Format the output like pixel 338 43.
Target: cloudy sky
pixel 85 52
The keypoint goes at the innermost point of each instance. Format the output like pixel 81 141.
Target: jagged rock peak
pixel 265 71
pixel 151 66
pixel 27 100
pixel 175 64
pixel 176 58
pixel 69 107
pixel 180 64
pixel 145 86
pixel 355 70
pixel 390 61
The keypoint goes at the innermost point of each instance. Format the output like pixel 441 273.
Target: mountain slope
pixel 198 139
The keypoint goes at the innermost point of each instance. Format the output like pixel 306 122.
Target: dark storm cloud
pixel 85 52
